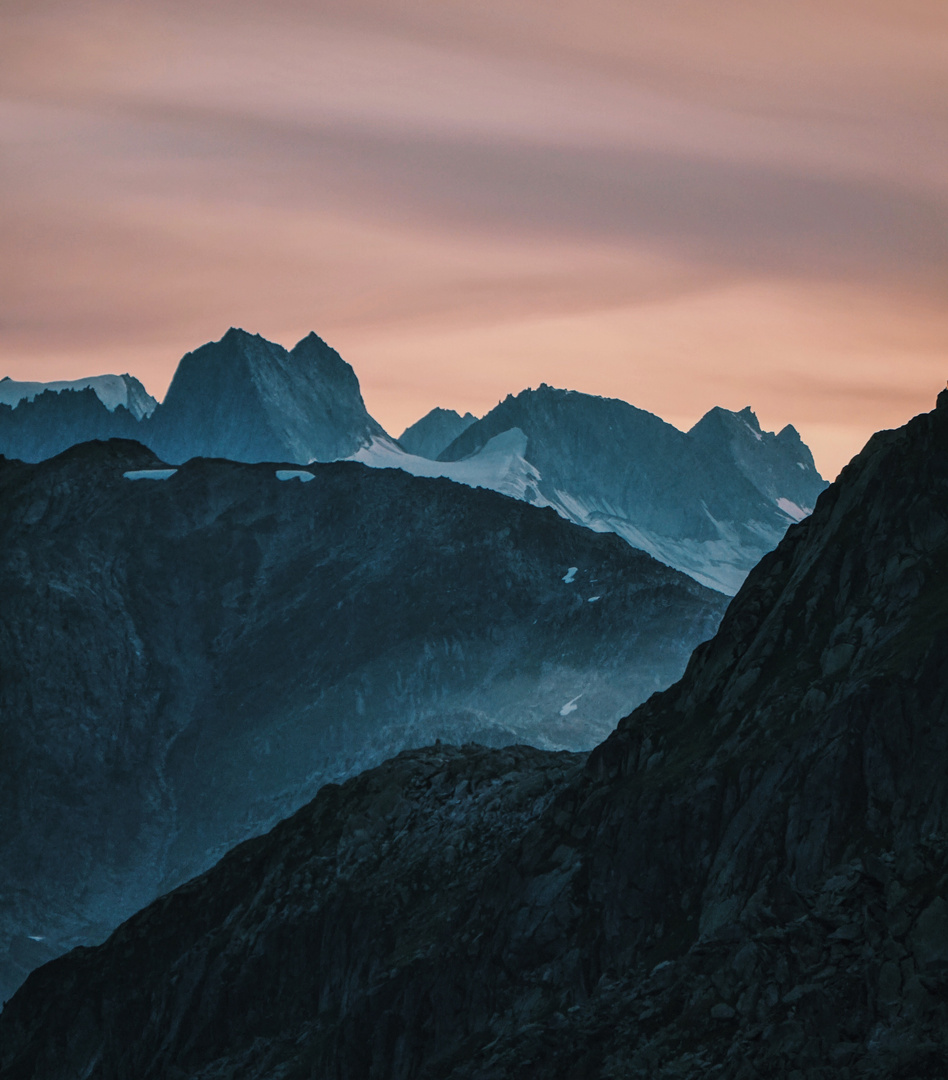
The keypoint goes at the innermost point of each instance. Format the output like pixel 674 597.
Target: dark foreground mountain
pixel 746 879
pixel 187 655
pixel 434 432
pixel 709 502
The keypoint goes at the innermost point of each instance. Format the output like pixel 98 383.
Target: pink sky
pixel 681 204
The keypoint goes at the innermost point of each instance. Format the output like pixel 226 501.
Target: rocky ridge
pixel 747 878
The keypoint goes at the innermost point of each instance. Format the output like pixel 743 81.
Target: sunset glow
pixel 680 204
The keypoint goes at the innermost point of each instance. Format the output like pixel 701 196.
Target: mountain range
pixel 709 502
pixel 746 878
pixel 189 653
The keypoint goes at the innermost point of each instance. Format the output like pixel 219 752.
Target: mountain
pixel 40 420
pixel 709 502
pixel 111 390
pixel 189 654
pixel 434 432
pixel 747 878
pixel 247 399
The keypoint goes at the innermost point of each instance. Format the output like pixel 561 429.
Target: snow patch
pixel 800 465
pixel 149 474
pixel 499 465
pixel 36 937
pixel 757 435
pixel 570 706
pixel 593 599
pixel 798 513
pixel 295 474
pixel 569 575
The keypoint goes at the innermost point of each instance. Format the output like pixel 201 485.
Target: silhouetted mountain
pixel 434 432
pixel 247 399
pixel 188 654
pixel 40 420
pixel 746 879
pixel 709 502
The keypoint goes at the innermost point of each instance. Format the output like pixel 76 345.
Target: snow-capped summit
pixel 112 390
pixel 248 399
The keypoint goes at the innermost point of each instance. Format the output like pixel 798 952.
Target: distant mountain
pixel 40 420
pixel 709 502
pixel 247 399
pixel 188 654
pixel 434 432
pixel 747 879
pixel 111 390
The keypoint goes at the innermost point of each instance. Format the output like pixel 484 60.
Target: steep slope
pixel 709 502
pixel 188 654
pixel 247 399
pixel 746 879
pixel 434 432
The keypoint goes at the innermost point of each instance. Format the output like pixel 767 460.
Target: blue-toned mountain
pixel 710 501
pixel 188 654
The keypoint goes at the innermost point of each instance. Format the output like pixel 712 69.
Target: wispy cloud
pixel 691 199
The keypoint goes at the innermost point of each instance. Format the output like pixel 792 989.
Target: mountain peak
pixel 434 432
pixel 248 399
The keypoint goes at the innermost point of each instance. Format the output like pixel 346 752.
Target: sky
pixel 678 203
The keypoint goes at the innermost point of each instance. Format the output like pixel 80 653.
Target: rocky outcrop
pixel 747 878
pixel 188 654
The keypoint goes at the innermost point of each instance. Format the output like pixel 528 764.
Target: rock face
pixel 247 399
pixel 434 432
pixel 188 654
pixel 746 879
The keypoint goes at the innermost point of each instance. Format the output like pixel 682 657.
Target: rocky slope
pixel 434 432
pixel 709 502
pixel 746 879
pixel 188 654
